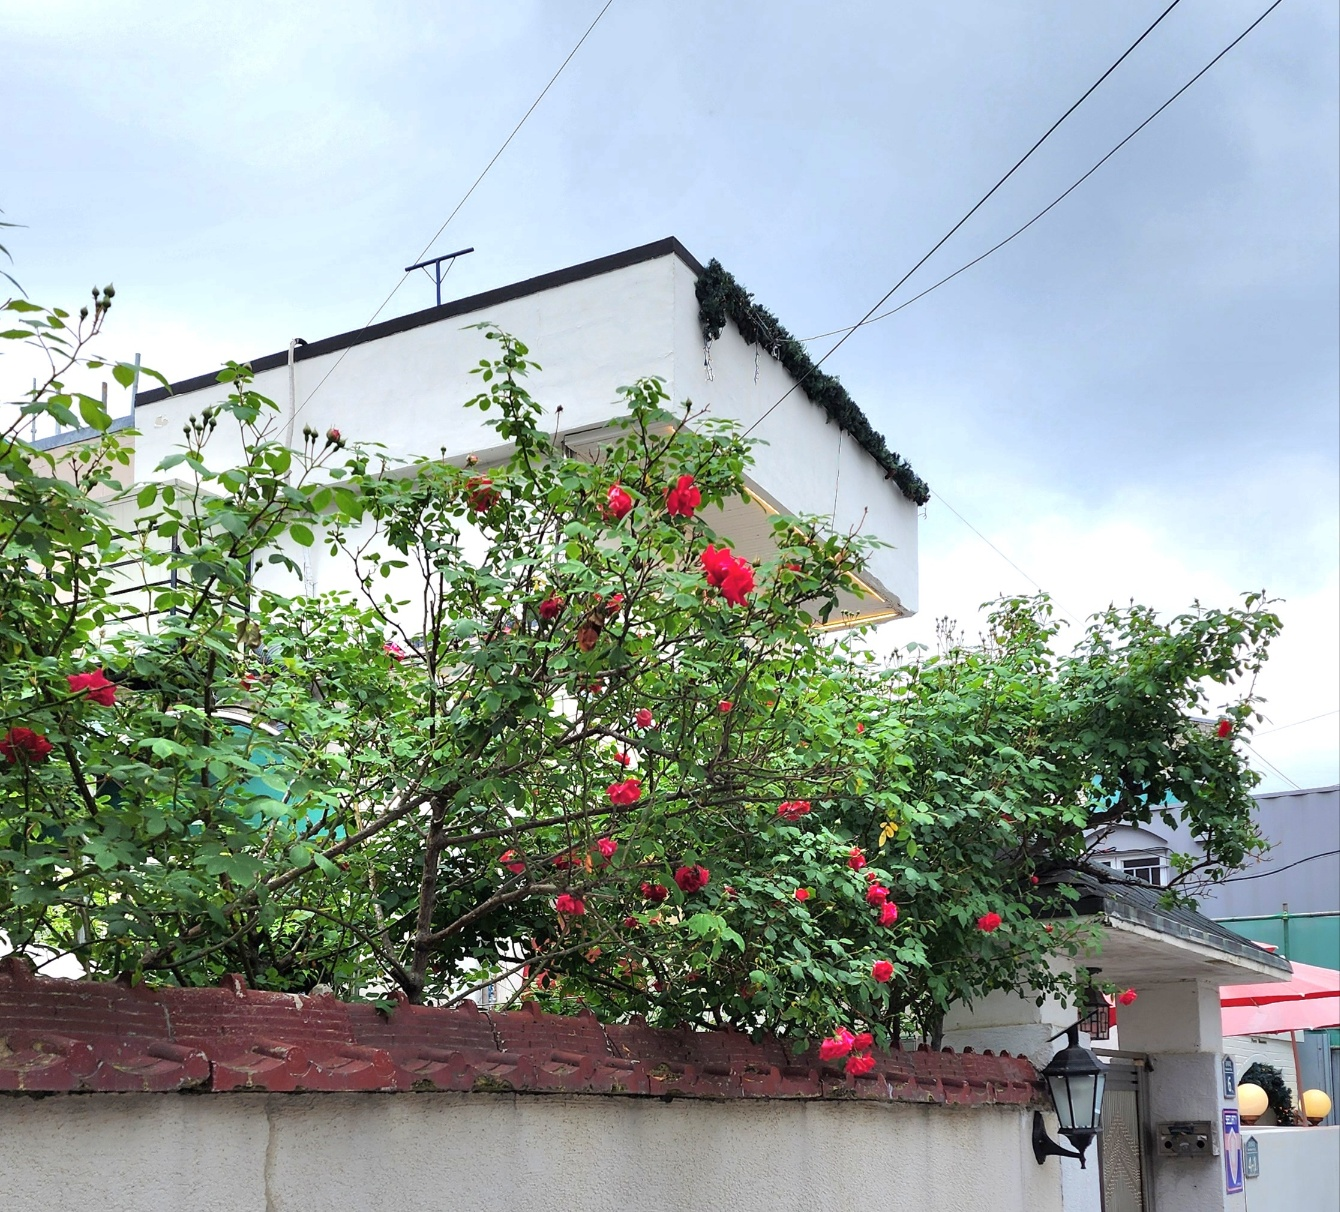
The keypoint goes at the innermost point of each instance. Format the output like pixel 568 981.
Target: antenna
pixel 436 263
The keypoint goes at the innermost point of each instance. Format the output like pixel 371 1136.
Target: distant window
pixel 1147 867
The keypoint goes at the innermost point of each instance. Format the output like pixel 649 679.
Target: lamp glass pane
pixel 1059 1087
pixel 1085 1090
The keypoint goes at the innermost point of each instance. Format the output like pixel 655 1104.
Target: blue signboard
pixel 1232 1152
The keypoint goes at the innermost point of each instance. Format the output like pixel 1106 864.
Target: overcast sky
pixel 1135 399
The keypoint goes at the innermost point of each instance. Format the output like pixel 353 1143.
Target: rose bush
pixel 414 790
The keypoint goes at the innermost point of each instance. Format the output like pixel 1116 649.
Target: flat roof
pixel 457 307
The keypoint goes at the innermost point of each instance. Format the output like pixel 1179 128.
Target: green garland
pixel 722 298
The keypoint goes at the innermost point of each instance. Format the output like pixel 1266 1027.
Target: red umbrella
pixel 1309 1001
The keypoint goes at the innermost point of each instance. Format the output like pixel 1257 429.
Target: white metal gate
pixel 1123 1155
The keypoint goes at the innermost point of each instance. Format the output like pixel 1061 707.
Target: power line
pixel 464 199
pixel 940 498
pixel 1260 875
pixel 975 208
pixel 1323 716
pixel 1060 197
pixel 1272 766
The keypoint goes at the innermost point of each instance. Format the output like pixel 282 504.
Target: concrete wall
pixel 405 1153
pixel 1300 1169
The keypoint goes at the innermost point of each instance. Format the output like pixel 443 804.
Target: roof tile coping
pixel 63 1036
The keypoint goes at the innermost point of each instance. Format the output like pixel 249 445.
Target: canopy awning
pixel 1309 1000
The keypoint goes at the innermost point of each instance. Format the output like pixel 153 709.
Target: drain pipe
pixel 292 390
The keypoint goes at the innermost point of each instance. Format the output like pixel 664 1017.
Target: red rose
pixel 627 792
pixel 716 564
pixel 876 894
pixel 882 971
pixel 858 1065
pixel 725 706
pixel 739 582
pixel 631 923
pixel 855 859
pixel 480 493
pixel 513 864
pixel 654 892
pixel 612 606
pixel 692 879
pixel 888 913
pixel 642 718
pixel 607 846
pixel 683 498
pixel 861 1041
pixel 860 727
pixel 617 502
pixel 551 608
pixel 623 757
pixel 989 922
pixel 1128 997
pixel 731 574
pixel 793 810
pixel 95 685
pixel 1223 728
pixel 803 894
pixel 25 743
pixel 836 1047
pixel 1033 879
pixel 574 906
pixel 333 436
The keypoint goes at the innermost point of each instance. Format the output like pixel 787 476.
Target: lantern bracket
pixel 1044 1147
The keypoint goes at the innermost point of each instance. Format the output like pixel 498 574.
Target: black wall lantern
pixel 1075 1079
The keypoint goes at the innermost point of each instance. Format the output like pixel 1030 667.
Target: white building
pixel 593 328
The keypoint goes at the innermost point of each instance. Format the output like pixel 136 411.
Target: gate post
pixel 1178 1025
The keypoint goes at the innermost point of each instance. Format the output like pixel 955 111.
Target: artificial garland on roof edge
pixel 722 298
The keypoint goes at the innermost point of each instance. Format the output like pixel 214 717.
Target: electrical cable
pixel 1323 716
pixel 1260 875
pixel 1060 197
pixel 1002 555
pixel 974 209
pixel 1276 769
pixel 464 198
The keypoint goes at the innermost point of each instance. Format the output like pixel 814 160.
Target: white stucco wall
pixel 406 1153
pixel 407 390
pixel 807 463
pixel 1300 1170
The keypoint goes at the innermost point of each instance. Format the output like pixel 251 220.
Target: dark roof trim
pixel 457 307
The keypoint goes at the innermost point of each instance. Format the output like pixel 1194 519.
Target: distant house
pixel 1289 900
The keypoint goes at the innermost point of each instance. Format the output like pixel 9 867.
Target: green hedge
pixel 722 298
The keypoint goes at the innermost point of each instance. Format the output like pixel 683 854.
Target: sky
pixel 1136 399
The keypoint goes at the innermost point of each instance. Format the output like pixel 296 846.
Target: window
pixel 1148 867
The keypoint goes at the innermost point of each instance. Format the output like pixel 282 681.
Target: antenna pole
pixel 436 263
